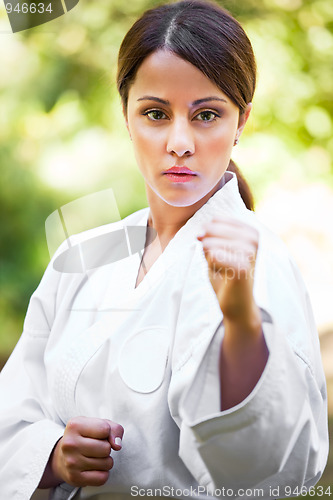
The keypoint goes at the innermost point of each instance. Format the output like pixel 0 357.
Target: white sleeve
pixel 277 437
pixel 29 425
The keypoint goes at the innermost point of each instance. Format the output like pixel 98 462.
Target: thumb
pixel 116 435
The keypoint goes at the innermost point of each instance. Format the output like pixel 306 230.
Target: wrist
pixel 55 462
pixel 244 346
pixel 50 478
pixel 244 325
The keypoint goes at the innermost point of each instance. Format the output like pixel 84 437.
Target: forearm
pixel 243 358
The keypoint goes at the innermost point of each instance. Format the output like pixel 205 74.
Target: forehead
pixel 163 73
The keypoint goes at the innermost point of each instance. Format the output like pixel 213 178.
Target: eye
pixel 207 116
pixel 155 114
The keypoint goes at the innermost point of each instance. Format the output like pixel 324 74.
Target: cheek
pixel 220 144
pixel 139 135
pixel 143 140
pixel 148 148
pixel 141 144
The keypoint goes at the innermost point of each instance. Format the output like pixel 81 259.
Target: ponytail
pixel 244 188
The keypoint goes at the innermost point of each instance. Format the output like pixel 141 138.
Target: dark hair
pixel 203 34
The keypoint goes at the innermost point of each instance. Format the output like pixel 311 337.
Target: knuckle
pixel 73 424
pixel 83 480
pixel 116 428
pixel 70 463
pixel 73 479
pixel 68 444
pixel 104 426
pixel 106 448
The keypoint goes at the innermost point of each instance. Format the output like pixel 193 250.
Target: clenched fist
pixel 230 248
pixel 82 456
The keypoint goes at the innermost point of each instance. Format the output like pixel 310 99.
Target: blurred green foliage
pixel 62 133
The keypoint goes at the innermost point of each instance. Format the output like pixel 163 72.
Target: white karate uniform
pixel 147 358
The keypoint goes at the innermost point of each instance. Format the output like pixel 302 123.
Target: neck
pixel 167 219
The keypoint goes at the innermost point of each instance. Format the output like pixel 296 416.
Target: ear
pixel 125 117
pixel 243 119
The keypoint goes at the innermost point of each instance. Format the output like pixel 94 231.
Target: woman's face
pixel 179 119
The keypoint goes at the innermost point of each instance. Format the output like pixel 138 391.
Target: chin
pixel 181 196
pixel 182 201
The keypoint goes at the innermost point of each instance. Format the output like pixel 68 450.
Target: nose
pixel 180 139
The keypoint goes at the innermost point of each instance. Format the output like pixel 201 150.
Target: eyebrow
pixel 194 103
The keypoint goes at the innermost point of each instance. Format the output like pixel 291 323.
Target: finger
pixel 103 464
pixel 237 244
pixel 96 428
pixel 229 232
pixel 93 478
pixel 116 435
pixel 95 448
pixel 229 222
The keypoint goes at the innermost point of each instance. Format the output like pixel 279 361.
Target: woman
pixel 202 353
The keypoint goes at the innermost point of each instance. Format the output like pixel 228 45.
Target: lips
pixel 179 175
pixel 179 170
